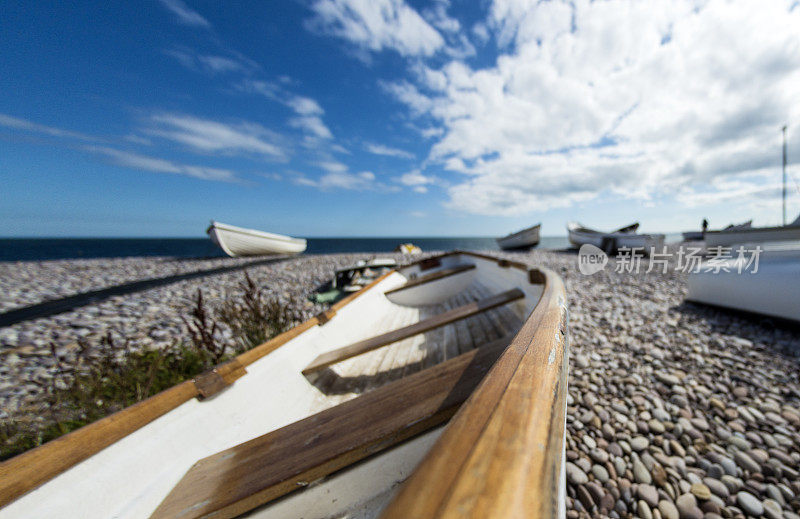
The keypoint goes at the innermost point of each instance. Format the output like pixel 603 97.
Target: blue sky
pixel 393 118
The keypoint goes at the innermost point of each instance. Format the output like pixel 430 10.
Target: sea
pixel 39 249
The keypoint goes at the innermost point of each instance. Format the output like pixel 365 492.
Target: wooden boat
pixel 773 290
pixel 448 375
pixel 238 241
pixel 614 240
pixel 729 237
pixel 698 235
pixel 523 239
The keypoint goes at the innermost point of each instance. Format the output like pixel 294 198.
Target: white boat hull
pixel 753 235
pixel 131 477
pixel 520 240
pixel 616 240
pixel 774 290
pixel 238 241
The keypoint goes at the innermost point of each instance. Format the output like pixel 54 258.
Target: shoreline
pixel 668 402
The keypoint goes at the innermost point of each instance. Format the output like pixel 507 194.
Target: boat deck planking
pixel 467 309
pixel 359 374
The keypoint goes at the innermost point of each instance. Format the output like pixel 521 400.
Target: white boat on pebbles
pixel 767 285
pixel 614 240
pixel 523 239
pixel 238 241
pixel 729 237
pixel 698 235
pixel 440 389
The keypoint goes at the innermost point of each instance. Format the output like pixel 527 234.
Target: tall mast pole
pixel 784 174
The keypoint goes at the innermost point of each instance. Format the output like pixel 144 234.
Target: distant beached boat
pixel 698 235
pixel 238 241
pixel 728 237
pixel 773 290
pixel 435 380
pixel 523 239
pixel 408 248
pixel 611 241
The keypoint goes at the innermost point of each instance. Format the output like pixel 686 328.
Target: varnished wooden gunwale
pixel 501 455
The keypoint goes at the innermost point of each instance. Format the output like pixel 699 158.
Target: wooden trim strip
pixel 324 317
pixel 258 471
pixel 433 276
pixel 501 455
pixel 462 312
pixel 212 382
pixel 28 470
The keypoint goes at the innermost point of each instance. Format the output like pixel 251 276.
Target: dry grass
pixel 106 377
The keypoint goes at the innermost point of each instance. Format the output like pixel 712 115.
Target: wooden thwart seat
pixel 433 276
pixel 462 312
pixel 241 478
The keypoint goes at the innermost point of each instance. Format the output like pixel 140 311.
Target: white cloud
pixel 309 112
pixel 375 25
pixel 143 162
pixel 621 97
pixel 380 149
pixel 221 64
pixel 731 190
pixel 332 166
pixel 430 133
pixel 211 63
pixel 338 148
pixel 211 136
pixel 138 139
pixel 359 181
pixel 313 125
pixel 415 178
pixel 185 14
pixel 420 189
pixel 409 94
pixel 28 126
pixel 304 105
pixel 481 32
pixel 340 180
pixel 268 89
pixel 438 17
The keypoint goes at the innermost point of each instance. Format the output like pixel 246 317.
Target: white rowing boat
pixel 329 418
pixel 523 239
pixel 625 237
pixel 698 235
pixel 766 285
pixel 729 237
pixel 238 241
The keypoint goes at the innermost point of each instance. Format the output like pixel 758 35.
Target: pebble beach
pixel 674 410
